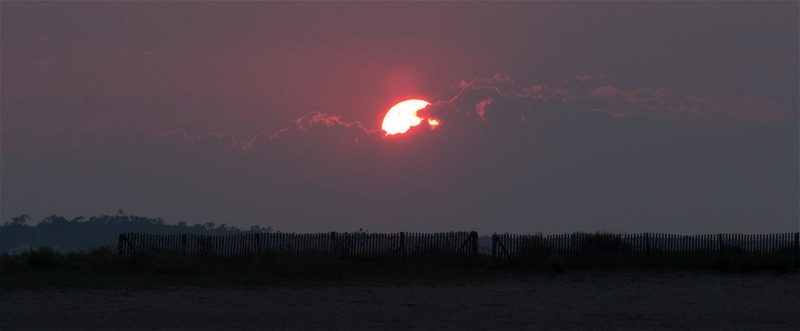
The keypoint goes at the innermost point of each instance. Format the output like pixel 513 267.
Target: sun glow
pixel 402 116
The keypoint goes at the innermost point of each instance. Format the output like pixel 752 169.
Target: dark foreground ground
pixel 574 300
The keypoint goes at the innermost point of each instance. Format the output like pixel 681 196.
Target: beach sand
pixel 579 300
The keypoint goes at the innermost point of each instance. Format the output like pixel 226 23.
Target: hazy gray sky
pixel 555 117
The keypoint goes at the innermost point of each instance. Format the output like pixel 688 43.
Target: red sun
pixel 402 116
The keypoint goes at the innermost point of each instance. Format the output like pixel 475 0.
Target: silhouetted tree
pixel 19 220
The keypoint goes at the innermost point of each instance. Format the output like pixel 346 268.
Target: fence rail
pixel 400 244
pixel 647 249
pixel 527 251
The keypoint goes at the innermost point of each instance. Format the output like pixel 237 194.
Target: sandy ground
pixel 571 301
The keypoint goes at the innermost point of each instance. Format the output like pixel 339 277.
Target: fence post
pixel 333 244
pixel 402 244
pixel 797 249
pixel 721 251
pixel 119 245
pixel 647 249
pixel 260 243
pixel 184 242
pixel 474 236
pixel 494 248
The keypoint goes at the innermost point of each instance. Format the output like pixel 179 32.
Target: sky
pixel 675 117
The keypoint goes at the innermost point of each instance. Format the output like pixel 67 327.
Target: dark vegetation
pixel 616 250
pixel 102 267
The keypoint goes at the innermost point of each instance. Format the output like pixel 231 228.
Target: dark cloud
pixel 671 102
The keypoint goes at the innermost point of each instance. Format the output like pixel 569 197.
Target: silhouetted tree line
pixel 80 233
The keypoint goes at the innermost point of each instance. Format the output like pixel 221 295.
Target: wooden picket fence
pixel 647 249
pixel 507 250
pixel 400 244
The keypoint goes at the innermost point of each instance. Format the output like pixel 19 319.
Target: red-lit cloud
pixel 481 107
pixel 602 98
pixel 301 124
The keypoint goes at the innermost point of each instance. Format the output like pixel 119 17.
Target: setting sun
pixel 402 116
